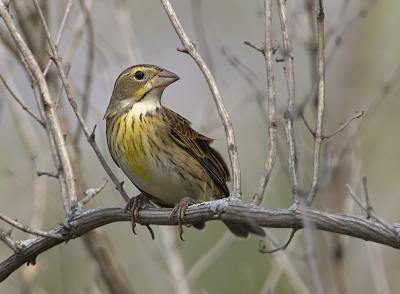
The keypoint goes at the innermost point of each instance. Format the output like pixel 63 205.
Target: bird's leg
pixel 135 204
pixel 180 211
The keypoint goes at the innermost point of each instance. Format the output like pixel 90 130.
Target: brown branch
pixel 357 227
pixel 271 98
pixel 189 48
pixel 68 181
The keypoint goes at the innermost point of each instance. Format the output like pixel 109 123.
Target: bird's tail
pixel 243 230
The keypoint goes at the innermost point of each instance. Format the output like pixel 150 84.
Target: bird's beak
pixel 164 78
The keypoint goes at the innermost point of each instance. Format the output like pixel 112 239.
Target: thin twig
pixel 60 31
pixel 57 138
pixel 255 47
pixel 370 212
pixel 271 98
pixel 189 48
pixel 262 248
pixel 337 42
pixel 20 102
pixel 289 114
pixel 27 229
pixel 367 199
pixel 342 126
pixel 10 243
pixel 89 69
pixel 320 17
pixel 90 136
pixel 92 192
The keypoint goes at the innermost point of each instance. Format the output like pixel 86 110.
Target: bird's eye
pixel 139 75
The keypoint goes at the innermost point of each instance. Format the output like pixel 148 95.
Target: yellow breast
pixel 143 148
pixel 131 139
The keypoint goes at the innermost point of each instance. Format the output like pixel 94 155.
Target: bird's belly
pixel 167 172
pixel 167 182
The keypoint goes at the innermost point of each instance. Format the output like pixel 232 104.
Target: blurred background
pixel 102 38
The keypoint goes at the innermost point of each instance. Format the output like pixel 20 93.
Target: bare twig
pixel 20 102
pixel 369 211
pixel 255 47
pixel 10 243
pixel 367 200
pixel 60 31
pixel 342 126
pixel 92 192
pixel 71 98
pixel 289 114
pixel 89 68
pixel 337 42
pixel 271 98
pixel 189 48
pixel 263 249
pixel 68 181
pixel 321 100
pixel 27 229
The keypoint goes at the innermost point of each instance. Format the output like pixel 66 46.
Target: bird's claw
pixel 135 204
pixel 180 210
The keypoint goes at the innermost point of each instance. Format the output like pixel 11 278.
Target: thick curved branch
pixel 357 227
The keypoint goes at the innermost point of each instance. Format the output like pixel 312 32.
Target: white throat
pixel 149 103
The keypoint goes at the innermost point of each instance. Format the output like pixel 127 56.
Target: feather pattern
pixel 198 146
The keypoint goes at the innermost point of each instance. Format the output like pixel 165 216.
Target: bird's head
pixel 139 83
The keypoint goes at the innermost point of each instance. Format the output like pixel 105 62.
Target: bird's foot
pixel 135 204
pixel 180 211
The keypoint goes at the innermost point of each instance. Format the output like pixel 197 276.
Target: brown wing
pixel 199 147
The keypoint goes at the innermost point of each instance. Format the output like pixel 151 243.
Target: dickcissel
pixel 156 148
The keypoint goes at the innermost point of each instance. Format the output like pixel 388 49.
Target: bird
pixel 170 163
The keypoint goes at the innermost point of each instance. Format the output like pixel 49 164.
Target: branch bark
pixel 357 227
pixel 271 98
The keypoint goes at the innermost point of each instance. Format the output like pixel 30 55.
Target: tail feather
pixel 243 230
